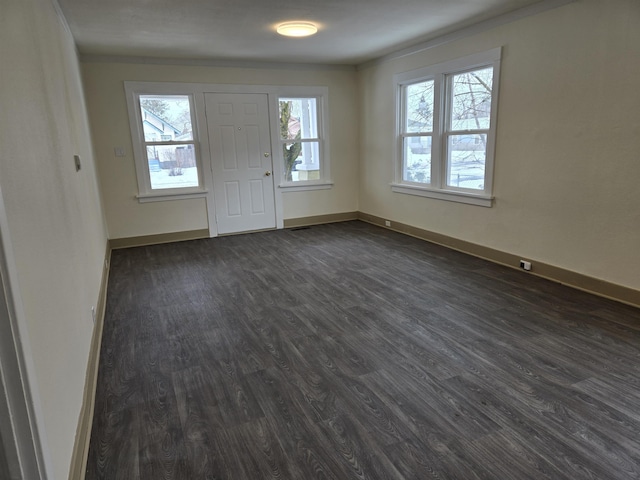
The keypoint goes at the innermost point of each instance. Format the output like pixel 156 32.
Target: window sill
pixel 163 197
pixel 301 186
pixel 448 195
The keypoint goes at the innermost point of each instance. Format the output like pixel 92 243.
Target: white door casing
pixel 21 426
pixel 241 161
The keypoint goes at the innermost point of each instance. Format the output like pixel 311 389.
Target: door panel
pixel 257 197
pixel 229 159
pixel 243 189
pixel 232 197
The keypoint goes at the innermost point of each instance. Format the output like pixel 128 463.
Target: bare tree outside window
pixel 299 137
pixel 156 106
pixel 289 129
pixel 469 122
pixel 167 126
pixel 446 129
pixel 419 127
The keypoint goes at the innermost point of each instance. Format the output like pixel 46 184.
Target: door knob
pixel 267 173
pixel 267 154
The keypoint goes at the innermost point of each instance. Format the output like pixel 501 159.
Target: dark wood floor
pixel 347 351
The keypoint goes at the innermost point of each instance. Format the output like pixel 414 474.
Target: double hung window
pixel 446 129
pixel 166 151
pixel 299 138
pixel 303 140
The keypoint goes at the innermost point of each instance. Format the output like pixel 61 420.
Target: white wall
pixel 567 168
pixel 55 220
pixel 110 128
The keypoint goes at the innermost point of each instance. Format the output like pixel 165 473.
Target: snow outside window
pixel 165 143
pixel 446 129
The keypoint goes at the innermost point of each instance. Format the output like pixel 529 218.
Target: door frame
pixel 272 92
pixel 21 424
pixel 274 173
pixel 198 91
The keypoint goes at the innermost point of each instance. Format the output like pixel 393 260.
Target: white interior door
pixel 243 187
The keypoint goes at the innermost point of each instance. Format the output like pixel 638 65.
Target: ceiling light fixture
pixel 296 29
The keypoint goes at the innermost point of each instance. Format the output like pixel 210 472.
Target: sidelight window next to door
pixel 166 154
pixel 300 139
pixel 168 137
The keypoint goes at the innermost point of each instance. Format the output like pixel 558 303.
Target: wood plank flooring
pixel 347 351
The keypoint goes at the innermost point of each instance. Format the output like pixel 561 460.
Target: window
pixel 165 143
pixel 302 142
pixel 446 129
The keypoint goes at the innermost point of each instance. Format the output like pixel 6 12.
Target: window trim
pixel 145 194
pixel 440 73
pixel 321 94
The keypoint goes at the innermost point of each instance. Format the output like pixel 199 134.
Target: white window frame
pixel 133 92
pixel 321 95
pixel 198 91
pixel 440 74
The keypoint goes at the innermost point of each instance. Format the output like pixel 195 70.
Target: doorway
pixel 241 163
pixel 21 455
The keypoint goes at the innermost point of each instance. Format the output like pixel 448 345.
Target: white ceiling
pixel 350 31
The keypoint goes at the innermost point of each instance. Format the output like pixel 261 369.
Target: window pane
pixel 471 99
pixel 466 162
pixel 301 161
pixel 166 118
pixel 417 159
pixel 172 166
pixel 298 118
pixel 419 107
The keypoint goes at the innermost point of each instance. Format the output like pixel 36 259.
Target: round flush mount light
pixel 296 29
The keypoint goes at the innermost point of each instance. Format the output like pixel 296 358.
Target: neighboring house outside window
pixel 165 144
pixel 166 147
pixel 446 129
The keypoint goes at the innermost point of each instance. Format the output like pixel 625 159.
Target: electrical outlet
pixel 387 223
pixel 525 265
